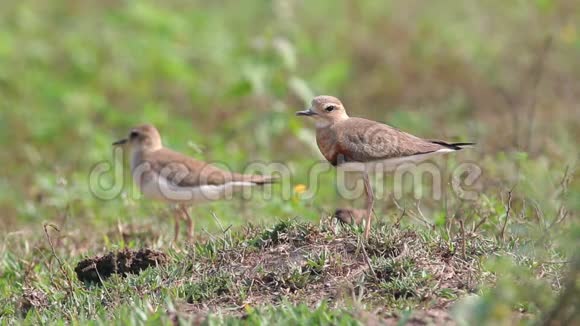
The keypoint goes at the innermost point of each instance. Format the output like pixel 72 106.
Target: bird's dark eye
pixel 133 134
pixel 330 108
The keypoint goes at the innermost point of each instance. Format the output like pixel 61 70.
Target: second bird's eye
pixel 330 108
pixel 133 134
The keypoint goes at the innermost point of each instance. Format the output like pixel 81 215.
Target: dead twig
pixel 398 221
pixel 422 217
pixel 507 215
pixel 565 180
pixel 70 289
pixel 367 259
pixel 562 214
pixel 562 211
pixel 480 223
pixel 463 239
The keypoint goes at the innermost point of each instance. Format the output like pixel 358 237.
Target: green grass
pixel 310 265
pixel 222 81
pixel 325 272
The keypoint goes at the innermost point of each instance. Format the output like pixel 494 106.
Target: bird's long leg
pixel 177 216
pixel 189 221
pixel 370 202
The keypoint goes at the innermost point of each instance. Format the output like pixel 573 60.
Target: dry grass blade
pixel 67 277
pixel 507 215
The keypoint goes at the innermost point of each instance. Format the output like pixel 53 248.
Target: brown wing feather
pixel 363 140
pixel 185 171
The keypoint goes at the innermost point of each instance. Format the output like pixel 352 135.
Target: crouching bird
pixel 363 145
pixel 172 177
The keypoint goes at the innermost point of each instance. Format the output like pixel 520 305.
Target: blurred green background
pixel 222 80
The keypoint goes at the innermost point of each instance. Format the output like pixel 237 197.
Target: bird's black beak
pixel 307 112
pixel 120 142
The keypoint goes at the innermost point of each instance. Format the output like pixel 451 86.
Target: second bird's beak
pixel 307 112
pixel 120 142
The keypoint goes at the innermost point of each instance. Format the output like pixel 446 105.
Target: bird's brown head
pixel 142 138
pixel 326 110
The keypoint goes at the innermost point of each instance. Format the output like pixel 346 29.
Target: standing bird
pixel 365 145
pixel 172 177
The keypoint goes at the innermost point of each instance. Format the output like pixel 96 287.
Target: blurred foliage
pixel 221 81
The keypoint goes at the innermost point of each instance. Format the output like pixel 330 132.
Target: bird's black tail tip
pixel 266 180
pixel 454 146
pixel 462 145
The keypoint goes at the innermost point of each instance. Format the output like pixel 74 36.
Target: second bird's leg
pixel 189 221
pixel 370 201
pixel 177 216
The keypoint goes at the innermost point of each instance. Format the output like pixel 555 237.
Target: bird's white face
pixel 142 138
pixel 326 110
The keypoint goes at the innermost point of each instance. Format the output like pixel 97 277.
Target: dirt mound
pixel 123 262
pixel 302 263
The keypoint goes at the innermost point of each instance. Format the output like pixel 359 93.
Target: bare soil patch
pixel 306 264
pixel 124 262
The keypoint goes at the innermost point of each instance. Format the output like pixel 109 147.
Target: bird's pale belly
pixel 158 188
pixel 391 164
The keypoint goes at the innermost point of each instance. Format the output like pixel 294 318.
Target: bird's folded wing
pixel 184 171
pixel 364 140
